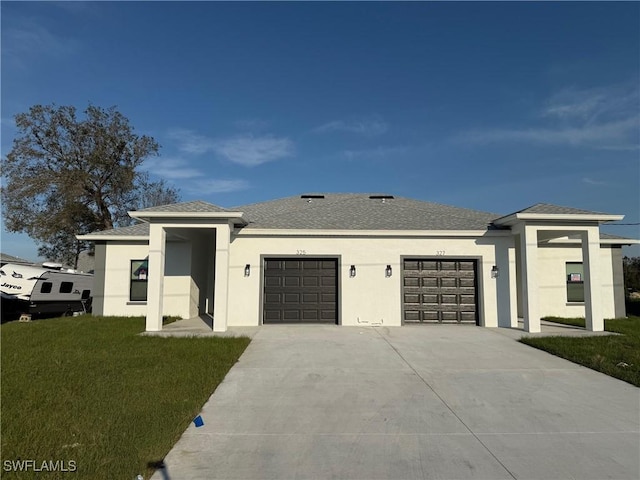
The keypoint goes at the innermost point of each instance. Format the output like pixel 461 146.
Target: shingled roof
pixel 548 209
pixel 197 206
pixel 349 211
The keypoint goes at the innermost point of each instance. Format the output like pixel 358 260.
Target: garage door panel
pixel 327 281
pixel 328 298
pixel 445 291
pixel 310 297
pixel 429 298
pixel 291 298
pixel 300 290
pixel 310 281
pixel 467 282
pixel 291 281
pixel 448 282
pixel 412 298
pixel 467 299
pixel 411 282
pixel 274 298
pixel 273 281
pixel 430 282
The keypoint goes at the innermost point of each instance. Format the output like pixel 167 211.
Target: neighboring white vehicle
pixel 44 291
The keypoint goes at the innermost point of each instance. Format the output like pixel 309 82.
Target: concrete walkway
pixel 412 402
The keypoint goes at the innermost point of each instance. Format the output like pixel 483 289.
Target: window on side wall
pixel 575 282
pixel 138 281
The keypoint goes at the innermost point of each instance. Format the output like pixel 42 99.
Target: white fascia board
pixel 556 217
pixel 179 215
pixel 603 241
pixel 92 237
pixel 370 233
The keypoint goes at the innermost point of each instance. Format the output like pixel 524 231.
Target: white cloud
pixel 207 186
pixel 171 168
pixel 378 152
pixel 600 136
pixel 590 181
pixel 593 104
pixel 367 126
pixel 602 118
pixel 250 151
pixel 190 142
pixel 29 38
pixel 247 150
pixel 251 124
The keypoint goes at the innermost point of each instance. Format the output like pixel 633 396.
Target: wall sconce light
pixel 352 271
pixel 495 271
pixel 388 271
pixel 247 270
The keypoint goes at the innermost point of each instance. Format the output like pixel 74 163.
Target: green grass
pixel 90 389
pixel 615 355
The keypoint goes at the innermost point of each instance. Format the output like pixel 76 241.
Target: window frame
pixel 574 288
pixel 136 270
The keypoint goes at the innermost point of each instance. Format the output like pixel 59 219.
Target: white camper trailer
pixel 43 291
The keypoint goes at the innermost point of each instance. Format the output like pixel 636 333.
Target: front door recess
pixel 440 291
pixel 298 290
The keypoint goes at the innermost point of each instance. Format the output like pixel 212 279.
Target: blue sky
pixel 490 106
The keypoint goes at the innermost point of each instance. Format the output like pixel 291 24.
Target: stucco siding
pixel 553 284
pixel 116 300
pixel 369 298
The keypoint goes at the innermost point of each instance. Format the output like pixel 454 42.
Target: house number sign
pixel 301 252
pixel 439 253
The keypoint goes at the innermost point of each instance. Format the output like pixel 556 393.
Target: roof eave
pixel 370 233
pixel 92 237
pixel 514 218
pixel 148 216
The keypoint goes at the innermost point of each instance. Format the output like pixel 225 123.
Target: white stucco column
pixel 221 288
pixel 513 290
pixel 592 289
pixel 155 284
pixel 529 276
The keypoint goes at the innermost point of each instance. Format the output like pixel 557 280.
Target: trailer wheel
pixel 68 313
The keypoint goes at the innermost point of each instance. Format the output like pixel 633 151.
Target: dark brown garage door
pixel 440 291
pixel 300 290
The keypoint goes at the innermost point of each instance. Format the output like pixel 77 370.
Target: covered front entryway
pixel 300 290
pixel 439 291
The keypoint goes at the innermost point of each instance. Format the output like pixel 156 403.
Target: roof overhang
pixel 603 241
pixel 555 218
pixel 149 216
pixel 269 232
pixel 96 237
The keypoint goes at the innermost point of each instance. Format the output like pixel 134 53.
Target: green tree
pixel 67 176
pixel 631 269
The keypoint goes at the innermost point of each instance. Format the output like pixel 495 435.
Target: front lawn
pixel 91 390
pixel 615 355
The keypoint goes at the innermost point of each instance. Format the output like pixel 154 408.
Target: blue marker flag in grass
pixel 198 421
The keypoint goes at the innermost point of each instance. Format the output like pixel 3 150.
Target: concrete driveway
pixel 412 402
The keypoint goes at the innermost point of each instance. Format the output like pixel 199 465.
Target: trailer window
pixel 138 280
pixel 86 294
pixel 66 287
pixel 46 287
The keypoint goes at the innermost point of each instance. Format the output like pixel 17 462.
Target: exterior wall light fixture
pixel 388 271
pixel 352 271
pixel 247 270
pixel 495 271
